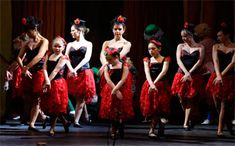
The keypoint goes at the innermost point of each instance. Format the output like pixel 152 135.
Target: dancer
pixel 55 102
pixel 188 82
pixel 32 67
pixel 81 87
pixel 155 94
pixel 116 95
pixel 221 82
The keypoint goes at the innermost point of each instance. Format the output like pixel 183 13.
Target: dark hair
pixel 30 22
pixel 189 28
pixel 112 51
pixel 80 24
pixel 226 29
pixel 119 20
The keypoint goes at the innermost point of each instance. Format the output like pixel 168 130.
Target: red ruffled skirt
pixel 55 101
pixel 33 86
pixel 83 85
pixel 113 108
pixel 223 92
pixel 17 83
pixel 155 102
pixel 188 89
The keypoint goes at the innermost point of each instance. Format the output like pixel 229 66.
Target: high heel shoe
pixel 44 122
pixel 152 135
pixel 52 132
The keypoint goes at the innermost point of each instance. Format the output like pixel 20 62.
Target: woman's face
pixel 75 32
pixel 32 33
pixel 118 30
pixel 153 50
pixel 186 37
pixel 221 37
pixel 58 46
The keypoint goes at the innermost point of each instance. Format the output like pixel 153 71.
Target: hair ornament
pixel 186 24
pixel 157 43
pixel 24 21
pixel 120 19
pixel 63 40
pixel 111 51
pixel 77 21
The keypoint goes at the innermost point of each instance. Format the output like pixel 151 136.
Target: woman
pixel 81 87
pixel 155 94
pixel 221 82
pixel 32 67
pixel 188 82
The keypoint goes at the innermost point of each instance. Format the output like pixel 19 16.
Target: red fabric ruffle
pixel 155 102
pixel 114 108
pixel 33 86
pixel 17 83
pixel 188 89
pixel 55 101
pixel 225 91
pixel 83 85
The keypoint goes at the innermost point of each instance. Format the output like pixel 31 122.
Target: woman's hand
pixel 152 88
pixel 9 75
pixel 218 80
pixel 46 87
pixel 186 77
pixel 26 72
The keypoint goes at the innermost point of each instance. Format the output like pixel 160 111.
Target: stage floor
pixel 97 135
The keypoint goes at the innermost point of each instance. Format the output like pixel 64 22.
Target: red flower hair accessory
pixel 157 43
pixel 223 24
pixel 63 40
pixel 120 19
pixel 111 51
pixel 77 21
pixel 186 24
pixel 23 21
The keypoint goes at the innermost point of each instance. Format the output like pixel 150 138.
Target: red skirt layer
pixel 55 101
pixel 188 89
pixel 83 85
pixel 223 92
pixel 155 102
pixel 113 108
pixel 17 83
pixel 33 86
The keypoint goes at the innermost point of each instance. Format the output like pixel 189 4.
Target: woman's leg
pixel 78 112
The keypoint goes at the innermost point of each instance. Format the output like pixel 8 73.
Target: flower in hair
pixel 111 51
pixel 77 21
pixel 120 19
pixel 23 21
pixel 223 24
pixel 63 40
pixel 157 43
pixel 186 24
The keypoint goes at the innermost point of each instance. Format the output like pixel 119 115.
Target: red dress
pixel 33 87
pixel 188 89
pixel 111 107
pixel 83 85
pixel 226 90
pixel 55 101
pixel 156 102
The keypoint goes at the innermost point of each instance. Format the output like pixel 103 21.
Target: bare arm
pixel 216 60
pixel 178 59
pixel 200 60
pixel 163 72
pixel 126 49
pixel 107 77
pixel 47 81
pixel 68 49
pixel 102 56
pixel 230 65
pixel 58 67
pixel 147 72
pixel 87 57
pixel 123 79
pixel 40 55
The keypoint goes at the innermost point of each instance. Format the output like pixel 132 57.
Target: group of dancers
pixel 45 77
